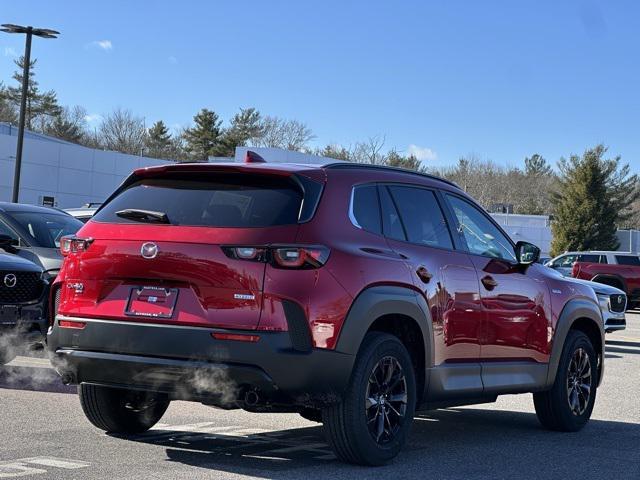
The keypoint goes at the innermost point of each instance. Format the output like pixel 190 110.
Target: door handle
pixel 489 282
pixel 423 274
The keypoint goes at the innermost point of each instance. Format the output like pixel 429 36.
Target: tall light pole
pixel 30 32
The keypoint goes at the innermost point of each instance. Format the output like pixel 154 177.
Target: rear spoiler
pixel 311 188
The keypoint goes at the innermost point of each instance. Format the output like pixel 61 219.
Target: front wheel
pixel 371 424
pixel 568 405
pixel 118 410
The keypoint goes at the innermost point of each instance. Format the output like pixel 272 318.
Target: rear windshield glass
pixel 46 229
pixel 228 200
pixel 628 260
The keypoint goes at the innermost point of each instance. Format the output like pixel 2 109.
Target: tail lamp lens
pixel 293 256
pixel 72 244
pixel 300 257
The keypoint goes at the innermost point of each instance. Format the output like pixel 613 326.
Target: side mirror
pixel 527 253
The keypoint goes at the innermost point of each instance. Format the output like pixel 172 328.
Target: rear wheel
pixel 371 424
pixel 568 405
pixel 121 411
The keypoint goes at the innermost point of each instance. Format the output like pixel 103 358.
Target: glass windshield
pixel 46 229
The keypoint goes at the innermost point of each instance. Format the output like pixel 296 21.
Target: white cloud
pixel 105 45
pixel 10 52
pixel 421 153
pixel 93 118
pixel 172 59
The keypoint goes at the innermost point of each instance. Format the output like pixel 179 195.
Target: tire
pixel 554 407
pixel 117 410
pixel 346 423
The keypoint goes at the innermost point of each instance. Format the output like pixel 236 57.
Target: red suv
pixel 351 294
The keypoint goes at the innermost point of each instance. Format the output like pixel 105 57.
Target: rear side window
pixel 628 260
pixel 391 223
pixel 365 208
pixel 421 216
pixel 226 200
pixel 589 258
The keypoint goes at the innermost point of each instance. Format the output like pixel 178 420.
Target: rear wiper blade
pixel 143 215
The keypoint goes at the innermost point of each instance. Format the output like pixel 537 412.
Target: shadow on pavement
pixel 453 443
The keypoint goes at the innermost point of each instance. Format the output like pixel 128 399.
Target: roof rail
pixel 338 165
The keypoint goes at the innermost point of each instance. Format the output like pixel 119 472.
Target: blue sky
pixel 501 80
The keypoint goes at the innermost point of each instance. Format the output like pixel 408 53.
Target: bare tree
pixel 122 131
pixel 280 133
pixel 370 151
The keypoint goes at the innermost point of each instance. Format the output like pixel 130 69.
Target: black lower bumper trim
pixel 189 364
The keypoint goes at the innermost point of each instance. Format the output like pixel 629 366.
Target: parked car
pixel 625 277
pixel 564 263
pixel 34 233
pixel 23 305
pixel 83 213
pixel 352 294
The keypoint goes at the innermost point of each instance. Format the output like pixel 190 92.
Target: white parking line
pixel 21 467
pixel 20 361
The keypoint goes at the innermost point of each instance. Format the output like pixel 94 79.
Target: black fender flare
pixel 377 301
pixel 572 311
pixel 617 278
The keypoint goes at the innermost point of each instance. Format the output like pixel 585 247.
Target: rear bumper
pixel 187 363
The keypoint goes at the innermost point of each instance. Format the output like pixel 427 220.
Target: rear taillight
pixel 72 244
pixel 282 256
pixel 300 257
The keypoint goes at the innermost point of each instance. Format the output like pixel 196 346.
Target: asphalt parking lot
pixel 43 434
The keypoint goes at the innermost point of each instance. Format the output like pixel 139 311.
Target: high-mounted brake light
pixel 72 244
pixel 282 256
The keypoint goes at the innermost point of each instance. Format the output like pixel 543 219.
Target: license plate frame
pixel 161 302
pixel 9 315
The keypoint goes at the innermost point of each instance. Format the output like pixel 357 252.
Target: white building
pixel 70 174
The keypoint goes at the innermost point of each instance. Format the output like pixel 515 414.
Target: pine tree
pixel 538 178
pixel 7 111
pixel 537 165
pixel 245 126
pixel 158 141
pixel 202 139
pixel 394 159
pixel 41 106
pixel 590 201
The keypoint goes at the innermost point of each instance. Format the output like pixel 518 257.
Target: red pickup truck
pixel 624 277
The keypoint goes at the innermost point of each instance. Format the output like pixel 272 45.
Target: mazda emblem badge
pixel 10 280
pixel 149 250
